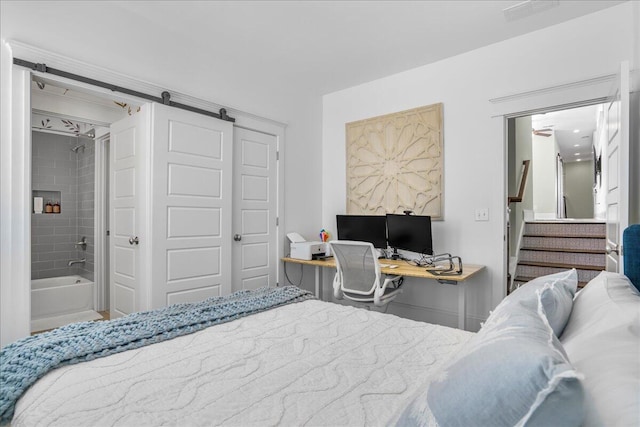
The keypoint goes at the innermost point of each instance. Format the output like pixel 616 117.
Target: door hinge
pixel 277 221
pixel 277 155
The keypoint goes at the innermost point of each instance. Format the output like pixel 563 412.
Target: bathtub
pixel 58 301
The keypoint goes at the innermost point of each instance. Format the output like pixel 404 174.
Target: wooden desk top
pixel 403 269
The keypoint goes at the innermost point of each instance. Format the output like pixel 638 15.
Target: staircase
pixel 553 246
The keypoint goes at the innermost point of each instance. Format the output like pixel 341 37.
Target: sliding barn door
pixel 191 206
pixel 128 242
pixel 255 204
pixel 617 170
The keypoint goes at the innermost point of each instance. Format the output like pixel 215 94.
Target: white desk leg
pixel 318 283
pixel 462 305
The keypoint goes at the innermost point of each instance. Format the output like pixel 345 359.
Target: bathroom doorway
pixel 70 188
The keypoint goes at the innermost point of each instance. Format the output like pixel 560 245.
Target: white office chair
pixel 358 275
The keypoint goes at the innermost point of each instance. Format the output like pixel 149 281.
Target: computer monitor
pixel 363 228
pixel 410 233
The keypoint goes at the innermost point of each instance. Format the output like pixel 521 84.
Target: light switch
pixel 482 214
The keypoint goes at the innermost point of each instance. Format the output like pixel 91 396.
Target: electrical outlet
pixel 482 214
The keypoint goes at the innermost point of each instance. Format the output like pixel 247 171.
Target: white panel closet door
pixel 191 206
pixel 617 170
pixel 255 204
pixel 128 244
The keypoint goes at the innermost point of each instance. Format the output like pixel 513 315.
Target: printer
pixel 301 249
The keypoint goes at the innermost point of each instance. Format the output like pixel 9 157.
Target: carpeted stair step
pixel 582 260
pixel 584 275
pixel 560 265
pixel 565 229
pixel 570 250
pixel 564 243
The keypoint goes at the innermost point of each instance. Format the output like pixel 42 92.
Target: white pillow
pixel 602 340
pixel 557 292
pixel 512 373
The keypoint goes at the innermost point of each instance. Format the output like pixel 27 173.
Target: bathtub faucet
pixel 76 261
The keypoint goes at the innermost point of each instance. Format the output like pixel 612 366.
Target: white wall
pixel 578 189
pixel 474 176
pixel 544 176
pixel 303 183
pixel 15 208
pixel 523 150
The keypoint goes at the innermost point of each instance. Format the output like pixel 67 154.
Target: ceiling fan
pixel 542 132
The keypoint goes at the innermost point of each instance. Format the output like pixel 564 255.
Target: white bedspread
pixel 308 363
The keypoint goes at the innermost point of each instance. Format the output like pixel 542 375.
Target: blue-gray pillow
pixel 513 372
pixel 557 300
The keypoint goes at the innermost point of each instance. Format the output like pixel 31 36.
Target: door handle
pixel 237 237
pixel 133 240
pixel 613 249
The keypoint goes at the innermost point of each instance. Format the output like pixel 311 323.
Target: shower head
pixel 77 148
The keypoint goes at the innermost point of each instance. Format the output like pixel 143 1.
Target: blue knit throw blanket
pixel 23 362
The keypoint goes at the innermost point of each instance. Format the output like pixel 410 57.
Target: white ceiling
pixel 271 47
pixel 573 130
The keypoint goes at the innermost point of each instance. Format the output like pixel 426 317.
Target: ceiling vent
pixel 528 8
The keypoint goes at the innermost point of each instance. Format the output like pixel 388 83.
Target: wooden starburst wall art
pixel 395 163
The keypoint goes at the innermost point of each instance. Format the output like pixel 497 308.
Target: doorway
pixel 564 178
pixel 564 147
pixel 69 176
pixel 563 196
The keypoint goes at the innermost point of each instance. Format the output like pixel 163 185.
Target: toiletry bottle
pixel 48 208
pixel 56 207
pixel 38 205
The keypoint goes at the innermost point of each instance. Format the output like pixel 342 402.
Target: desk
pixel 407 270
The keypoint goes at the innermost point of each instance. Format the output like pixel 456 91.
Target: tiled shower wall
pixel 86 176
pixel 56 168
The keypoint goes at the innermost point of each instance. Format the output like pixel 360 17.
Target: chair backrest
pixel 357 265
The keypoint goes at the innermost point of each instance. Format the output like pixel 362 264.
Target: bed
pixel 309 362
pixel 545 356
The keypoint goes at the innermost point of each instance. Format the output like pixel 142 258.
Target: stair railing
pixel 524 173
